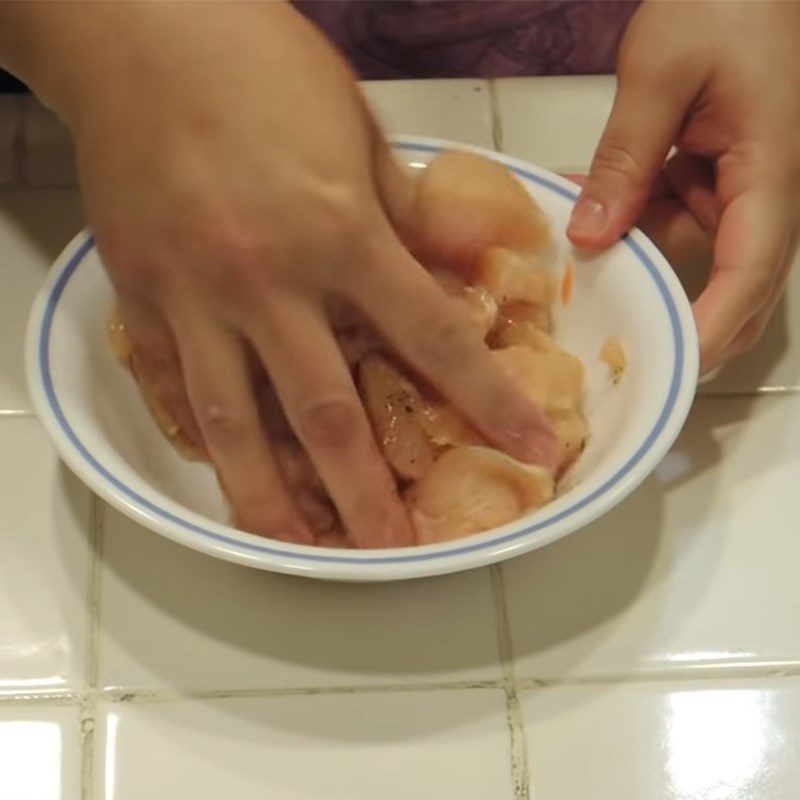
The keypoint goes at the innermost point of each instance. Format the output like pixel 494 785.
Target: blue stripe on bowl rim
pixel 136 499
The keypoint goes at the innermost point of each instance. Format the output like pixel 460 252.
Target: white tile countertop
pixel 654 655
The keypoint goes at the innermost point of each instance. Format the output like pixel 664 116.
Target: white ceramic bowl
pixel 93 413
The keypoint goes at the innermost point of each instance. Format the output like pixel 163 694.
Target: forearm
pixel 38 41
pixel 68 50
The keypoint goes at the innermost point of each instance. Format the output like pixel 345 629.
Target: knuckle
pixel 221 423
pixel 331 422
pixel 616 158
pixel 338 221
pixel 237 256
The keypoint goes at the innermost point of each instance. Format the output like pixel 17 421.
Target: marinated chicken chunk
pixel 474 489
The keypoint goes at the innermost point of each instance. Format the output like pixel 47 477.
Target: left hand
pixel 719 82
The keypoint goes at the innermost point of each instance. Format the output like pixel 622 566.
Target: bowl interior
pixel 91 406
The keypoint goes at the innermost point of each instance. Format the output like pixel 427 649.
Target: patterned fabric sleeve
pixel 473 38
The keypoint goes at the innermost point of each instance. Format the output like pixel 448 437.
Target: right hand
pixel 236 185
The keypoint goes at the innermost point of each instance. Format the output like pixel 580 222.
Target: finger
pixel 682 240
pixel 751 247
pixel 217 379
pixel 752 331
pixel 316 390
pixel 692 180
pixel 153 361
pixel 674 229
pixel 435 336
pixel 644 121
pixel 660 189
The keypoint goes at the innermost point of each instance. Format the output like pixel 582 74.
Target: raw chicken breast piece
pixel 465 204
pixel 393 404
pixel 474 489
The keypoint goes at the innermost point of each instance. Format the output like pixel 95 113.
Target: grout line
pixel 494 108
pixel 96 527
pixel 518 750
pixel 520 772
pixel 122 695
pixel 87 723
pixel 698 673
pixel 37 699
pixel 87 712
pixel 504 645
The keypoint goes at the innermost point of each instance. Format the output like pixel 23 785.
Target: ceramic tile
pixel 447 744
pixel 554 122
pixel 39 753
pixel 44 559
pixel 48 158
pixel 448 109
pixel 698 567
pixel 9 126
pixel 709 740
pixel 34 227
pixel 234 627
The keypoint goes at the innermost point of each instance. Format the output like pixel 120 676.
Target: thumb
pixel 645 119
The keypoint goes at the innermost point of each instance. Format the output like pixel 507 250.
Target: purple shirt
pixel 473 38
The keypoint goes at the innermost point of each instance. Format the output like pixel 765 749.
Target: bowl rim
pixel 222 541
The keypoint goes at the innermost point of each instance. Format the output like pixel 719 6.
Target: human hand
pixel 236 186
pixel 719 82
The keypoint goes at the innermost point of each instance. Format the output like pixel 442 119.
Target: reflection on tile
pixel 554 122
pixel 698 566
pixel 48 158
pixel 448 109
pixel 34 227
pixel 9 123
pixel 39 753
pixel 448 744
pixel 44 559
pixel 709 740
pixel 234 627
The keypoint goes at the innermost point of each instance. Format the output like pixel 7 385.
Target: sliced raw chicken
pixel 521 323
pixel 445 427
pixel 158 377
pixel 572 431
pixel 466 204
pixel 474 489
pixel 477 301
pixel 393 405
pixel 552 378
pixel 514 278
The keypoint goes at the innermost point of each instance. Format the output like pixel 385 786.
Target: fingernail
pixel 588 217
